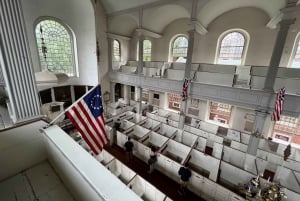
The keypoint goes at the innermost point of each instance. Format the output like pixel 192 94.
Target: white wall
pixel 21 148
pixel 79 16
pixel 238 118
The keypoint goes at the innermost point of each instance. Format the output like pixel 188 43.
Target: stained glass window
pixel 59 47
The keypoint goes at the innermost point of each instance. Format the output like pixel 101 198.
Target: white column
pixel 289 19
pixel 138 92
pixel 258 126
pixel 140 53
pixel 112 91
pixel 127 94
pixel 16 63
pixel 110 52
pixel 187 73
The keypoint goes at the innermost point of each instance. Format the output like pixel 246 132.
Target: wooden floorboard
pixel 156 178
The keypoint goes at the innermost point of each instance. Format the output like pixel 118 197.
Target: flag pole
pixel 58 116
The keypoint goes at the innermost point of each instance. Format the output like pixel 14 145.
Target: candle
pixel 259 192
pixel 269 179
pixel 249 189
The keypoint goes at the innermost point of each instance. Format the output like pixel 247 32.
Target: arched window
pixel 295 60
pixel 55 47
pixel 147 47
pixel 117 51
pixel 231 49
pixel 179 49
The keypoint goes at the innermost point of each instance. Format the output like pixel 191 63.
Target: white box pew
pixel 175 151
pixel 251 164
pixel 174 116
pixel 293 165
pixel 168 199
pixel 163 113
pixel 200 144
pixel 168 131
pixel 168 167
pixel 141 151
pixel 209 127
pixel 137 132
pixel 232 176
pixel 214 78
pixel 186 138
pixel 245 138
pixel 128 69
pixel 210 190
pixel 136 118
pixel 234 157
pixel 145 190
pixel 126 125
pixel 104 157
pixel 243 75
pixel 150 124
pixel 233 135
pixel 121 139
pixel 196 131
pixel 154 139
pixel 174 74
pixel 132 63
pixel 239 146
pixel 151 71
pixel 154 64
pixel 152 115
pixel 270 157
pixel 288 178
pixel 215 138
pixel 121 171
pixel 203 164
pixel 217 68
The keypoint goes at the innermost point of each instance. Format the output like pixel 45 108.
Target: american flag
pixel 87 117
pixel 278 105
pixel 184 89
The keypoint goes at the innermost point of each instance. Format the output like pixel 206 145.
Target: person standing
pixel 128 149
pixel 153 158
pixel 185 174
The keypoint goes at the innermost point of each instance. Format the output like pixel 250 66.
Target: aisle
pixel 159 180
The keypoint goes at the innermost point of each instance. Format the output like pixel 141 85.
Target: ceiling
pixel 123 15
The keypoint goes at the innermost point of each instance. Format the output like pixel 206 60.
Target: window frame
pixel 246 36
pixel 294 51
pixel 171 44
pixel 119 43
pixel 149 48
pixel 73 43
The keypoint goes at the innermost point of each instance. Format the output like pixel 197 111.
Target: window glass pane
pixel 231 49
pixel 117 51
pixel 179 49
pixel 58 43
pixel 296 60
pixel 147 45
pixel 287 130
pixel 220 112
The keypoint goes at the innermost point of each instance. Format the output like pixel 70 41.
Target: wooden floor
pixel 156 178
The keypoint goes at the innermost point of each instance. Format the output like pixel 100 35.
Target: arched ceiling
pixel 156 19
pixel 123 14
pixel 214 8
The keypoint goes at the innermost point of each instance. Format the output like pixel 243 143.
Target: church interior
pixel 209 83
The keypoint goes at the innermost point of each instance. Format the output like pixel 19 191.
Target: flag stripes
pixel 87 116
pixel 278 105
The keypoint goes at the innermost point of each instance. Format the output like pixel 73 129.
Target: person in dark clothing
pixel 128 149
pixel 153 158
pixel 117 124
pixel 185 174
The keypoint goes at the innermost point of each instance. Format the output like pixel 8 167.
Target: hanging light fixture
pixel 47 76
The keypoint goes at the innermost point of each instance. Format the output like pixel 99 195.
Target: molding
pixel 148 33
pixel 196 25
pixel 145 6
pixel 272 24
pixel 252 99
pixel 117 36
